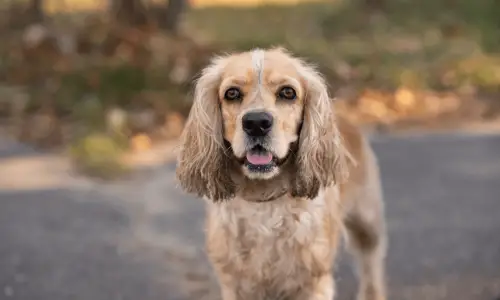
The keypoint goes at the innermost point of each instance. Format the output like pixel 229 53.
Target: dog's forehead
pixel 261 65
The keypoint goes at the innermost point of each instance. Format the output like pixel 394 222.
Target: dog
pixel 283 178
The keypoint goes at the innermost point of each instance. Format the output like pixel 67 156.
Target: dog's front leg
pixel 232 288
pixel 320 288
pixel 242 290
pixel 228 287
pixel 228 292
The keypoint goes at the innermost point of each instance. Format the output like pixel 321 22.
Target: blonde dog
pixel 282 177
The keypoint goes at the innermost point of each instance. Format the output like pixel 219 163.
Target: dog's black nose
pixel 257 123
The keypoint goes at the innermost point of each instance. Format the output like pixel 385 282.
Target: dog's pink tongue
pixel 259 159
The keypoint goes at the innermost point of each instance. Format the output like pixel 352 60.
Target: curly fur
pixel 321 157
pixel 275 236
pixel 203 158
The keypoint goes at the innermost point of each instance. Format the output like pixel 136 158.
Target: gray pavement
pixel 143 238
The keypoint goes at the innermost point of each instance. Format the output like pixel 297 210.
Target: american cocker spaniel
pixel 283 179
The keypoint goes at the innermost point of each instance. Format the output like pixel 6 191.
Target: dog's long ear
pixel 321 156
pixel 203 161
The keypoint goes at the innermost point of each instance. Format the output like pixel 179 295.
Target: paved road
pixel 142 238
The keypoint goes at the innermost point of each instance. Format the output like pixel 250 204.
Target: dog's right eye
pixel 233 94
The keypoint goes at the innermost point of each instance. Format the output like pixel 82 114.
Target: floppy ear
pixel 321 156
pixel 203 161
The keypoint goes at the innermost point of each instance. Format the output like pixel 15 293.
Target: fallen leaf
pixel 405 100
pixel 140 143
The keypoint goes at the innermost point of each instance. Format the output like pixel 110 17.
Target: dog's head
pixel 255 116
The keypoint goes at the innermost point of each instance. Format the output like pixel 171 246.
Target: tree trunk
pixel 37 11
pixel 172 16
pixel 374 5
pixel 131 12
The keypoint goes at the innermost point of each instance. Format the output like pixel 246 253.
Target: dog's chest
pixel 273 242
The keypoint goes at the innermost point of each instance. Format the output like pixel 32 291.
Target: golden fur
pixel 275 234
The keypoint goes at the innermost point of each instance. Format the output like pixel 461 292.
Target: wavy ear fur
pixel 321 156
pixel 203 161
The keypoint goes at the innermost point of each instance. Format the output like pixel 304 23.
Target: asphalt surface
pixel 143 238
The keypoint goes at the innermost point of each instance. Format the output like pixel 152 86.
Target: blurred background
pixel 94 94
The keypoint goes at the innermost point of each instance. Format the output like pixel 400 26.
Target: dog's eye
pixel 232 94
pixel 287 93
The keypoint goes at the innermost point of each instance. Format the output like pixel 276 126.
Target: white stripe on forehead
pixel 258 63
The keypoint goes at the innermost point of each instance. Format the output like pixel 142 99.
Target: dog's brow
pixel 285 80
pixel 241 81
pixel 280 81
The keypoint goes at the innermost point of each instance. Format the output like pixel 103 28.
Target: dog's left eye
pixel 287 93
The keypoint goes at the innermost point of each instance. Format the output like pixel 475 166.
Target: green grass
pixel 99 155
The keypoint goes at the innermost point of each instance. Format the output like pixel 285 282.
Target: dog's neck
pixel 264 190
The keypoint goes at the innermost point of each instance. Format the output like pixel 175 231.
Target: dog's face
pixel 252 113
pixel 262 99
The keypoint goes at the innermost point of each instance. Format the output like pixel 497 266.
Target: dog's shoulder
pixel 352 137
pixel 359 150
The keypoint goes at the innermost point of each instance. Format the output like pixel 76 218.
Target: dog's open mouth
pixel 259 159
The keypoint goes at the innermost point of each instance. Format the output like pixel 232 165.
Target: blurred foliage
pixel 393 62
pixel 443 56
pixel 424 37
pixel 99 155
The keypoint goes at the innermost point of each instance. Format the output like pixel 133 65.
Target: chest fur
pixel 271 242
